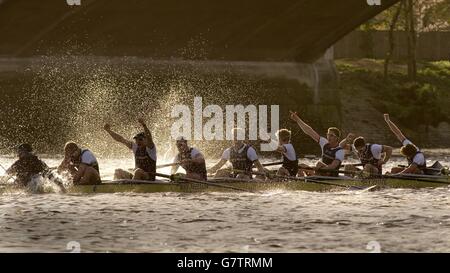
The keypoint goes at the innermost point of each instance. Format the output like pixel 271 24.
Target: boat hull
pixel 317 185
pixel 220 185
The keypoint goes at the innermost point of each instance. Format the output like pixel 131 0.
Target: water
pixel 401 220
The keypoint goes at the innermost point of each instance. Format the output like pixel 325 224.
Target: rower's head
pixel 360 144
pixel 139 139
pixel 409 150
pixel 24 149
pixel 333 135
pixel 284 136
pixel 182 144
pixel 72 150
pixel 238 137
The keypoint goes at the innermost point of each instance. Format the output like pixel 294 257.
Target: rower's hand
pixel 381 162
pixel 107 127
pixel 386 117
pixel 294 116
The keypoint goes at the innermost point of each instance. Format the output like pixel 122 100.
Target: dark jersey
pixel 26 167
pixel 191 167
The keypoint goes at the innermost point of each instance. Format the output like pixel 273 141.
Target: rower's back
pixel 26 167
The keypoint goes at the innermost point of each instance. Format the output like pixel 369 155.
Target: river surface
pixel 400 220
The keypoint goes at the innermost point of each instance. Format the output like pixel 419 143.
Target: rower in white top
pixel 332 153
pixel 81 165
pixel 372 156
pixel 416 159
pixel 144 151
pixel 190 159
pixel 243 158
pixel 287 150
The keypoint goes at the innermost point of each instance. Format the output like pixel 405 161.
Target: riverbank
pixel 421 109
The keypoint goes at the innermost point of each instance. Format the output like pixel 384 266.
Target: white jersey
pixel 419 158
pixel 375 149
pixel 88 158
pixel 290 152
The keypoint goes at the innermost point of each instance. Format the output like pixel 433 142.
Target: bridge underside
pixel 232 30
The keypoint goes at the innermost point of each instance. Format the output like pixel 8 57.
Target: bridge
pixel 286 43
pixel 234 30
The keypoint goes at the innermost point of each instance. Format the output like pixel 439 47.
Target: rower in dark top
pixel 332 153
pixel 27 167
pixel 242 156
pixel 415 158
pixel 144 151
pixel 190 159
pixel 372 156
pixel 80 164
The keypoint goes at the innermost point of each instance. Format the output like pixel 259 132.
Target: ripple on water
pixel 275 221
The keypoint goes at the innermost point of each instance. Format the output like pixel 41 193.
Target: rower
pixel 372 156
pixel 286 149
pixel 332 153
pixel 27 167
pixel 190 159
pixel 81 165
pixel 416 159
pixel 144 151
pixel 243 158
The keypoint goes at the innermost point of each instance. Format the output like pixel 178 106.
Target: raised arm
pixel 305 127
pixel 387 150
pixel 117 137
pixel 394 128
pixel 148 134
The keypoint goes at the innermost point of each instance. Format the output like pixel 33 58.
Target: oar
pixel 336 171
pixel 158 167
pixel 397 176
pixel 167 165
pixel 203 182
pixel 305 179
pixel 393 176
pixel 281 163
pixel 442 170
pixel 412 178
pixel 272 164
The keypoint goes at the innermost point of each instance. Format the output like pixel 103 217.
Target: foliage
pixel 425 102
pixel 431 15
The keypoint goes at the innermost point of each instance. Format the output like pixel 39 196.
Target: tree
pixel 412 39
pixel 391 38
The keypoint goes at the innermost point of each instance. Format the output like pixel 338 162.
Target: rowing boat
pixel 312 183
